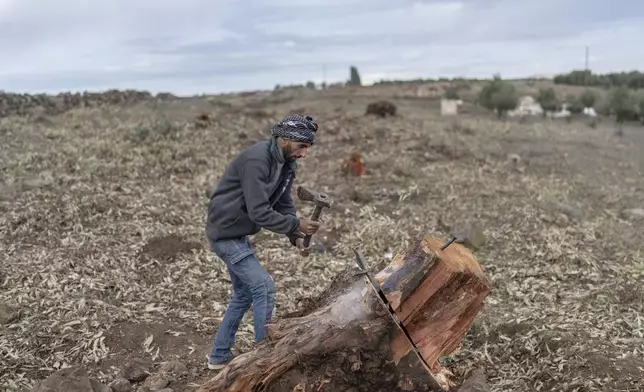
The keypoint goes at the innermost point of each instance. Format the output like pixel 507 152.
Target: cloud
pixel 197 46
pixel 403 19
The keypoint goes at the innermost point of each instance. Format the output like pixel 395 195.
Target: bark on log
pixel 346 341
pixel 436 294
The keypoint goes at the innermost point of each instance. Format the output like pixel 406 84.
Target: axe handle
pixel 315 217
pixel 316 213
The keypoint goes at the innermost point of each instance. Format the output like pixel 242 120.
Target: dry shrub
pixel 381 109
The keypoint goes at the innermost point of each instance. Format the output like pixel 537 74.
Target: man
pixel 255 193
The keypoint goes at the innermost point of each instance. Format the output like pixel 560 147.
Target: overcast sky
pixel 209 46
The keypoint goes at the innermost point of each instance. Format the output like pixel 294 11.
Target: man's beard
pixel 287 153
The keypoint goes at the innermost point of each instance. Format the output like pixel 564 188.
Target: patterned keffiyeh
pixel 296 127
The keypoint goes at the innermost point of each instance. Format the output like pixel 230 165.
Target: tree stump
pixel 345 340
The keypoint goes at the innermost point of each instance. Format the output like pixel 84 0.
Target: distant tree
pixel 624 105
pixel 603 107
pixel 462 84
pixel 451 93
pixel 639 100
pixel 548 100
pixel 310 85
pixel 588 98
pixel 354 77
pixel 499 95
pixel 632 79
pixel 573 104
pixel 575 78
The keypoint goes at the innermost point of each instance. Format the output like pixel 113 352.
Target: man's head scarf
pixel 297 128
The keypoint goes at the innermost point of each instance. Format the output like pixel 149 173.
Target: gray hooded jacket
pixel 254 193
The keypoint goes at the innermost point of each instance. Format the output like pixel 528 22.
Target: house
pixel 449 107
pixel 527 106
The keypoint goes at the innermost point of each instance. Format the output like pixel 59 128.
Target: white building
pixel 527 106
pixel 449 107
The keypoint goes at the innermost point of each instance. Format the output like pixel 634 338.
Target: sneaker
pixel 217 366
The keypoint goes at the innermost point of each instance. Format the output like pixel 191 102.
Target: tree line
pixel 623 102
pixel 632 79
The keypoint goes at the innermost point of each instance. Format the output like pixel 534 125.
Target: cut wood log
pixel 346 341
pixel 436 294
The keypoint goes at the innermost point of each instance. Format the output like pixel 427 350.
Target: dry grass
pixel 104 257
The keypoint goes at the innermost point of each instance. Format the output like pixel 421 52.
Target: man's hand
pixel 308 226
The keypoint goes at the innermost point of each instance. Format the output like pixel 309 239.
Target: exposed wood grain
pixel 440 309
pixel 403 276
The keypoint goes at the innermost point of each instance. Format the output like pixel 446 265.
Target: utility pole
pixel 586 67
pixel 323 76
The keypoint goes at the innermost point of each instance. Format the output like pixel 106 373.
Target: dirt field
pixel 102 233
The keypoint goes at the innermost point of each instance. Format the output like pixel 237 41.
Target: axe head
pixel 319 199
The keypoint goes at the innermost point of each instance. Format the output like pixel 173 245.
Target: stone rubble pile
pixel 25 104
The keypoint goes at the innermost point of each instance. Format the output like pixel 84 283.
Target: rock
pixel 73 379
pixel 158 381
pixel 476 382
pixel 137 370
pixel 98 387
pixel 318 247
pixel 8 314
pixel 572 212
pixel 632 214
pixel 166 390
pixel 562 220
pixel 471 236
pixel 514 159
pixel 174 367
pixel 167 374
pixel 514 162
pixel 120 385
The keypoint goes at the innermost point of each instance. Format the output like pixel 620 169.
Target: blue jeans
pixel 251 285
